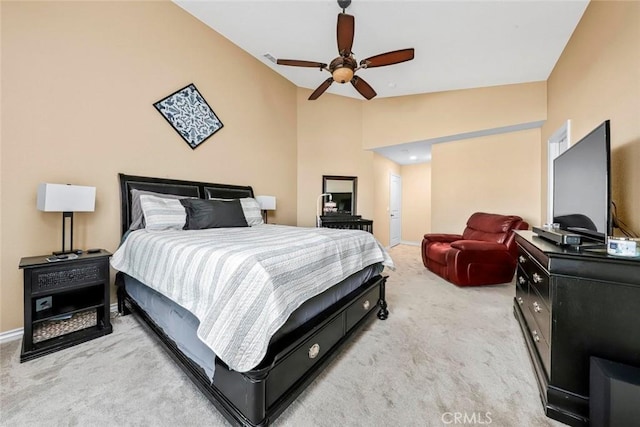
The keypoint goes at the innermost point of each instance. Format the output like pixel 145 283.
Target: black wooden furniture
pixel 350 222
pixel 571 305
pixel 614 394
pixel 258 396
pixel 59 289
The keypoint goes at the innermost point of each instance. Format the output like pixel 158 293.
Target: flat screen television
pixel 582 186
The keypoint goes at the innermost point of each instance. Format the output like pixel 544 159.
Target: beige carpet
pixel 443 351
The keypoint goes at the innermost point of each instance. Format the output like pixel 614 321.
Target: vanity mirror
pixel 343 190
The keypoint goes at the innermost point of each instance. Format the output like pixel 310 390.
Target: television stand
pixel 572 305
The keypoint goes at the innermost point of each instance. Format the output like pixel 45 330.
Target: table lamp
pixel 267 203
pixel 67 199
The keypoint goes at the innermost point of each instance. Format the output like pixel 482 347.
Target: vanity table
pixel 351 222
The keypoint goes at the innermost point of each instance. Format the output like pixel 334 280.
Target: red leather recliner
pixel 485 253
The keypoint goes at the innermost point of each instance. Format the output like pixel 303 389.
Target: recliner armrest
pixel 447 238
pixel 479 246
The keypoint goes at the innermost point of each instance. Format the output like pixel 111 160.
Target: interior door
pixel 395 213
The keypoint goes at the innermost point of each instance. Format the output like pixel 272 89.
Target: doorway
pixel 556 145
pixel 395 211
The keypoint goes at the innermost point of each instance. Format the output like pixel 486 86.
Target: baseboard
pixel 16 334
pixel 404 242
pixel 10 335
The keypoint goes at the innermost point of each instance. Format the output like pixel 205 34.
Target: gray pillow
pixel 137 216
pixel 203 214
pixel 250 208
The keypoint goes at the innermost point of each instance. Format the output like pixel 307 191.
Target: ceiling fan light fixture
pixel 342 74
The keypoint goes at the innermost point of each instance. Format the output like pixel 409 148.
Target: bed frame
pixel 257 397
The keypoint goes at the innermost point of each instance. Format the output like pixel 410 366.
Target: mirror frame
pixel 353 179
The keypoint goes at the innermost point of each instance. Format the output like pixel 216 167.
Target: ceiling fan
pixel 343 67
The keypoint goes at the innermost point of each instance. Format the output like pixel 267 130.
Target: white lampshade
pixel 66 198
pixel 267 203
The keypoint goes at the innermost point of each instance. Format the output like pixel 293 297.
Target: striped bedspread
pixel 243 283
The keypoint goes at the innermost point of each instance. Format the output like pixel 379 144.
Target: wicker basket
pixel 54 328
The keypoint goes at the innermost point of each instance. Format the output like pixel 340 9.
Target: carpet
pixel 446 356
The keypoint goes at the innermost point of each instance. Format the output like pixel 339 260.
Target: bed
pixel 247 392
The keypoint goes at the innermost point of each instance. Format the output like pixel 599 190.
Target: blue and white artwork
pixel 190 115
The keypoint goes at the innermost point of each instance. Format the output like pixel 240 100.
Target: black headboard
pixel 202 190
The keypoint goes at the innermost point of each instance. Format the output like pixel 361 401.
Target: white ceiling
pixel 458 44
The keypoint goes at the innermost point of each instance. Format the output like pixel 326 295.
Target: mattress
pixel 181 325
pixel 243 283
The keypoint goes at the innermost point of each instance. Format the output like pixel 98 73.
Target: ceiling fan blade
pixel 346 29
pixel 363 87
pixel 297 63
pixel 320 90
pixel 388 58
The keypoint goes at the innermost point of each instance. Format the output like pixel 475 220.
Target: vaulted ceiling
pixel 458 44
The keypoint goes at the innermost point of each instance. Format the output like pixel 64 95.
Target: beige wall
pixel 329 143
pixel 78 83
pixel 416 201
pixel 496 174
pixel 390 121
pixel 81 78
pixel 598 78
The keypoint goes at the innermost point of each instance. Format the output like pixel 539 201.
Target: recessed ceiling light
pixel 413 157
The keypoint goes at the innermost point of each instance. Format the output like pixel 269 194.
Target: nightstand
pixel 65 302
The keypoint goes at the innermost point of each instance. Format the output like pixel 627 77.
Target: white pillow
pixel 162 214
pixel 252 212
pixel 250 208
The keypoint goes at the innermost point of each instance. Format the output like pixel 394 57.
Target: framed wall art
pixel 190 115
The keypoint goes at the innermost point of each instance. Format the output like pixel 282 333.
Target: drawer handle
pixel 536 338
pixel 536 307
pixel 314 351
pixel 521 280
pixel 366 305
pixel 520 301
pixel 522 259
pixel 537 278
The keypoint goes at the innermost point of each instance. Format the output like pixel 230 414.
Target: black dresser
pixel 352 222
pixel 572 305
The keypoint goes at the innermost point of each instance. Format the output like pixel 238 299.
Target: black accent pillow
pixel 203 214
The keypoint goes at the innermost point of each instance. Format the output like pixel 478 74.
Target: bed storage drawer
pixel 301 359
pixel 362 306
